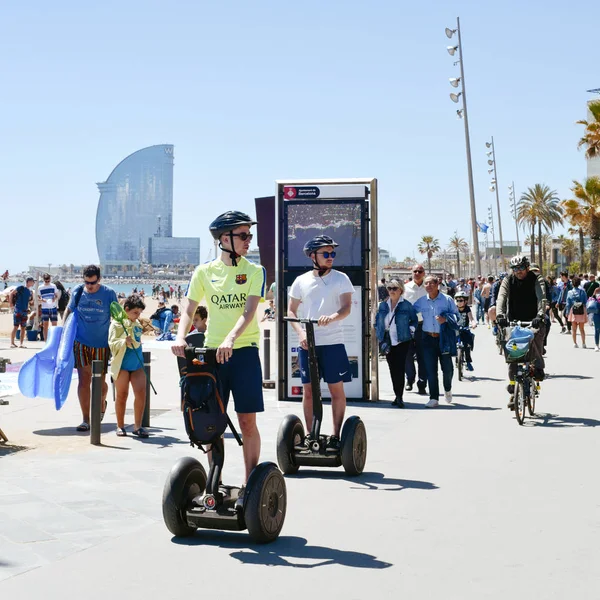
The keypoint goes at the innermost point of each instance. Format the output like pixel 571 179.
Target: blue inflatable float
pixel 48 374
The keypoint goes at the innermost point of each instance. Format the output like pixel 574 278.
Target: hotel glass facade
pixel 136 203
pixel 173 251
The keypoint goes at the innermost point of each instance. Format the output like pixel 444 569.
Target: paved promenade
pixel 457 502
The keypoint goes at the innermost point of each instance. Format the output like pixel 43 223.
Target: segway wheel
pixel 354 446
pixel 265 503
pixel 290 434
pixel 186 480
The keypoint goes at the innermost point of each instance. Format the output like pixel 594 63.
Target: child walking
pixel 465 321
pixel 127 365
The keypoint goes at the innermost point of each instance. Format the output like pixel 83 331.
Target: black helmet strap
pixel 232 253
pixel 322 270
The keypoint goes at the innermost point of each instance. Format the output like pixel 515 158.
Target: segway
pixel 295 450
pixel 193 500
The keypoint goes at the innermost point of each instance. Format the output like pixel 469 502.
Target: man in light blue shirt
pixel 432 309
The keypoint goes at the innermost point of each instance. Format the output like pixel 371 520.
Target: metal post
pixel 96 402
pixel 493 238
pixel 502 257
pixel 146 416
pixel 267 382
pixel 514 204
pixel 469 165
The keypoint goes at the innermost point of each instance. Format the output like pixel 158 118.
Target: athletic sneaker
pixel 469 366
pixel 583 346
pixel 575 345
pixel 432 403
pixel 448 397
pixel 239 503
pixel 597 349
pixel 333 444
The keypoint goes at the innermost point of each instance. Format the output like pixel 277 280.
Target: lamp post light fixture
pixel 494 188
pixel 462 113
pixel 513 205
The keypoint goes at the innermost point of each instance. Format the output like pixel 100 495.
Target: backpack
pixel 579 307
pixel 204 412
pixel 63 301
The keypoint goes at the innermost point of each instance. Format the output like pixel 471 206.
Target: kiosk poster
pixel 352 328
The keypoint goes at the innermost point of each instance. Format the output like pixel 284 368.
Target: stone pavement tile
pixel 10 489
pixel 20 531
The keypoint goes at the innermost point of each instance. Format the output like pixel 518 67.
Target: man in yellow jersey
pixel 233 287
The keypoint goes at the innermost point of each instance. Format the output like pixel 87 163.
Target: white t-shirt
pixel 47 294
pixel 321 296
pixel 412 291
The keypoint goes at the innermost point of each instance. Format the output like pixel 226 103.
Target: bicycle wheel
pixel 459 363
pixel 531 397
pixel 519 402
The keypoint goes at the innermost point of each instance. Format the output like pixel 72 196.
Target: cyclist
pixel 494 300
pixel 465 321
pixel 324 294
pixel 522 297
pixel 233 287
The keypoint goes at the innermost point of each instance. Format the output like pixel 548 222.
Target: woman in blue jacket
pixel 394 325
pixel 576 311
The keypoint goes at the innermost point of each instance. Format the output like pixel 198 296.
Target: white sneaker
pixel 432 403
pixel 583 346
pixel 575 345
pixel 448 397
pixel 597 349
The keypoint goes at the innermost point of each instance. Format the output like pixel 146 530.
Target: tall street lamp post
pixel 494 187
pixel 513 206
pixel 454 82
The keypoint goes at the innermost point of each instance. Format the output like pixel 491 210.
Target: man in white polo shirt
pixel 324 294
pixel 414 290
pixel 49 295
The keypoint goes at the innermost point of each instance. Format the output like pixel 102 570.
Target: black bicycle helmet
pixel 226 223
pixel 519 262
pixel 319 241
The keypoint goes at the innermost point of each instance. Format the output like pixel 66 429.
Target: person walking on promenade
pixel 594 311
pixel 49 296
pixel 382 292
pixel 127 365
pixel 92 300
pixel 395 321
pixel 414 290
pixel 19 300
pixel 576 311
pixel 63 299
pixel 440 321
pixel 564 287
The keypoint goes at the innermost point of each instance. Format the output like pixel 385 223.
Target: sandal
pixel 83 427
pixel 121 431
pixel 102 413
pixel 141 432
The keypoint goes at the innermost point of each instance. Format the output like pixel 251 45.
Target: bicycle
pixel 526 388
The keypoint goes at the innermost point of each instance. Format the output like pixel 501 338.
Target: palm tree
pixel 591 137
pixel 459 245
pixel 529 241
pixel 539 206
pixel 429 246
pixel 547 241
pixel 574 214
pixel 585 208
pixel 568 248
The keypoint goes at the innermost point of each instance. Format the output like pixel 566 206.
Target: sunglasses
pixel 243 236
pixel 516 269
pixel 393 288
pixel 329 255
pixel 419 271
pixel 460 300
pixel 90 283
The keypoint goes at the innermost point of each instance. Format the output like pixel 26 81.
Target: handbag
pixel 592 306
pixel 385 345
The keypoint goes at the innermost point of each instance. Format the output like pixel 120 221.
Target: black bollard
pixel 96 402
pixel 267 382
pixel 146 415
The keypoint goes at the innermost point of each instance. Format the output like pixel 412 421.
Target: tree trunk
pixel 581 247
pixel 429 262
pixel 595 237
pixel 532 247
pixel 457 264
pixel 540 254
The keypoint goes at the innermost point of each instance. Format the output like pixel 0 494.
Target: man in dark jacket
pixel 522 297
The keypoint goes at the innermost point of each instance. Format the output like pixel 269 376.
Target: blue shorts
pixel 334 365
pixel 242 376
pixel 50 314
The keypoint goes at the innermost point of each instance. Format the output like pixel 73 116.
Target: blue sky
pixel 251 92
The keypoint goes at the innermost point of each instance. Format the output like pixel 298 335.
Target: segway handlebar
pixel 296 320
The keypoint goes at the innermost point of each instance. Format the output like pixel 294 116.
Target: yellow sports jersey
pixel 226 290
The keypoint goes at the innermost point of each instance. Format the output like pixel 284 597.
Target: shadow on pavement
pixel 70 430
pixel 552 376
pixel 162 441
pixel 476 378
pixel 282 552
pixel 550 420
pixel 368 481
